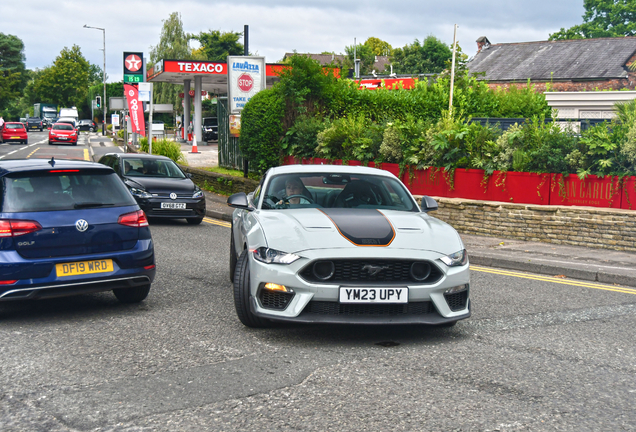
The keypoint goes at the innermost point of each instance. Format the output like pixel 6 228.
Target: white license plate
pixel 62 138
pixel 174 206
pixel 374 295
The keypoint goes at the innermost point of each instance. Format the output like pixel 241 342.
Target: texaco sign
pixel 245 78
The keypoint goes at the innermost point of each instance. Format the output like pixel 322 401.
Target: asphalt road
pixel 539 353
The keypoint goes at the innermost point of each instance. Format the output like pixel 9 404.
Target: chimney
pixel 482 43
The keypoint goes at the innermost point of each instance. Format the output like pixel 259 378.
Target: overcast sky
pixel 275 26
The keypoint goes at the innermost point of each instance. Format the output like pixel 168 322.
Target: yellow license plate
pixel 14 138
pixel 84 267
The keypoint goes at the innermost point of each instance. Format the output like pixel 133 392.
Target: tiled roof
pixel 601 58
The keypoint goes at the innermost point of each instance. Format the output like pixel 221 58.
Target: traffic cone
pixel 194 145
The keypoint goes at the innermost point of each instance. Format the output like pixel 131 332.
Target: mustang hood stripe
pixel 362 227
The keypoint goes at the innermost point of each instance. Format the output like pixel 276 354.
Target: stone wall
pixel 220 183
pixel 579 226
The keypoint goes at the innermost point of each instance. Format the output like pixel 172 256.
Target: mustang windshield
pixel 336 190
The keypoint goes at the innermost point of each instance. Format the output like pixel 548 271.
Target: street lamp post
pixel 104 77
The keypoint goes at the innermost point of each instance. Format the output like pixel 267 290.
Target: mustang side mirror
pixel 428 204
pixel 239 200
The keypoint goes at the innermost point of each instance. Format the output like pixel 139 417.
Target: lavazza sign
pixel 245 78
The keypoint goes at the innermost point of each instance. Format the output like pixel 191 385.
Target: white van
pixel 69 112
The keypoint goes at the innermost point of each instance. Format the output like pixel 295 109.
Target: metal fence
pixel 229 154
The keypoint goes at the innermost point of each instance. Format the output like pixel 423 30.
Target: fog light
pixel 455 290
pixel 278 288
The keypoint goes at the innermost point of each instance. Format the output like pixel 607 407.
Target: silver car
pixel 343 244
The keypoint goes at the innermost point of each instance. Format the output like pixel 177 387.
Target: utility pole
pixel 103 75
pixel 246 52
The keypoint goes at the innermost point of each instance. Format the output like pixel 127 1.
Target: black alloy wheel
pixel 232 255
pixel 242 295
pixel 132 295
pixel 194 221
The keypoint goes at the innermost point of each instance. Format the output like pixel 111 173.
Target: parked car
pixel 71 227
pixel 210 129
pixel 63 133
pixel 160 187
pixel 34 123
pixel 87 125
pixel 343 244
pixel 14 132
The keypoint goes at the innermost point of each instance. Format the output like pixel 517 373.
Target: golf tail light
pixel 15 228
pixel 135 219
pixel 277 288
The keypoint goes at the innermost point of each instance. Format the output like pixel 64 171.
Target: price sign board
pixel 133 67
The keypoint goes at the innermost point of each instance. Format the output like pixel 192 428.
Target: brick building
pixel 568 65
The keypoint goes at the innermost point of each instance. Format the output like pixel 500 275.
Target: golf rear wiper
pixel 91 204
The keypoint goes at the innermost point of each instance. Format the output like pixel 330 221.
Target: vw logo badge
pixel 81 225
pixel 173 196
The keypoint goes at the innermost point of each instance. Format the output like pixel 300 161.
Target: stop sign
pixel 245 82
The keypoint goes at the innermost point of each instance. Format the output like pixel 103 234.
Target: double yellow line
pixel 552 279
pixel 217 222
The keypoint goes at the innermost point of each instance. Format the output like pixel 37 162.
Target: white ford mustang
pixel 343 244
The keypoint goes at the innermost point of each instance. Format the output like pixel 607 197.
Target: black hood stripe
pixel 362 227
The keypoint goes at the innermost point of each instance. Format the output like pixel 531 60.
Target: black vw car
pixel 160 187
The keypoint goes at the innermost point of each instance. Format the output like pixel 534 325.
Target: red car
pixel 14 131
pixel 63 133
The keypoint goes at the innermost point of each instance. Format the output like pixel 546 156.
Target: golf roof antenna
pixel 52 161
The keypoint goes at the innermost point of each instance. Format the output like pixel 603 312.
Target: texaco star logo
pixel 133 63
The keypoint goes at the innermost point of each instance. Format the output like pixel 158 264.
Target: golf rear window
pixel 63 190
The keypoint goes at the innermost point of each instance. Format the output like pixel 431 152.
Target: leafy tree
pixel 430 56
pixel 378 46
pixel 364 53
pixel 216 46
pixel 13 76
pixel 173 44
pixel 95 74
pixel 66 82
pixel 602 18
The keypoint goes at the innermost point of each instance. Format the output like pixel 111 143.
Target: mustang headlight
pixel 198 193
pixel 273 256
pixel 456 259
pixel 140 193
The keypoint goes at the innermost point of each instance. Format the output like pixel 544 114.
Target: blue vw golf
pixel 71 227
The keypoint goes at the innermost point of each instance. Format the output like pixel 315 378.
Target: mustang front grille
pixel 333 308
pixel 364 271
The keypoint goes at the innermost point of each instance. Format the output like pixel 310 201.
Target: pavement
pixel 559 261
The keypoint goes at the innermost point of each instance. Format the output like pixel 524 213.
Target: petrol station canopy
pixel 213 74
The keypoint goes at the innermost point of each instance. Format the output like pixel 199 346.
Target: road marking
pixel 30 154
pixel 553 280
pixel 86 155
pixel 217 222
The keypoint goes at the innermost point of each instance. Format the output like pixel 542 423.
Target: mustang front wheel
pixel 232 256
pixel 242 294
